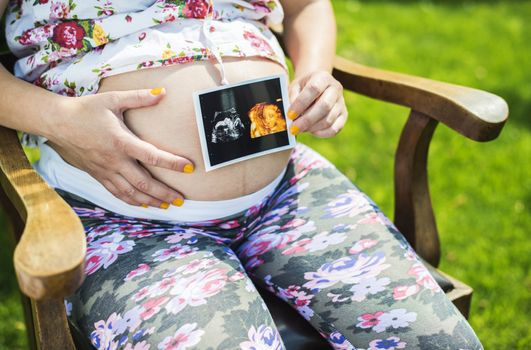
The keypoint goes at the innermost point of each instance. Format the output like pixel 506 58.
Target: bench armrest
pixel 476 114
pixel 49 257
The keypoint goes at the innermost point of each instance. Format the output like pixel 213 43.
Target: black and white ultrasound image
pixel 227 126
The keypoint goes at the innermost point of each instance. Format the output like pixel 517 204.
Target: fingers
pixel 119 101
pixel 134 185
pixel 327 121
pixel 151 155
pixel 130 189
pixel 319 110
pixel 332 124
pixel 123 190
pixel 314 87
pixel 142 181
pixel 319 106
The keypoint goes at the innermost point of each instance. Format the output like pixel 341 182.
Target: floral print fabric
pixel 317 242
pixel 68 46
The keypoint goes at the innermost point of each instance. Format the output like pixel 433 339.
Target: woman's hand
pixel 92 136
pixel 317 105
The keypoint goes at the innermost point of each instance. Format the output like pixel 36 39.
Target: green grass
pixel 481 191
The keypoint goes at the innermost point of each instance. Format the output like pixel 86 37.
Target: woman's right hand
pixel 92 136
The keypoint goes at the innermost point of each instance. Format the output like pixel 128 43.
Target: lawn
pixel 481 191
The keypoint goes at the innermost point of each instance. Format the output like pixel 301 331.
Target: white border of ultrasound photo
pixel 201 130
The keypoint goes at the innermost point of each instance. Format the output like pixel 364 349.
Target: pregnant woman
pixel 173 251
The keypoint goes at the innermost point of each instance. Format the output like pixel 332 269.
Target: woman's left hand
pixel 317 105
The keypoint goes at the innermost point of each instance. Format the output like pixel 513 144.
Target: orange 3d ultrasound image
pixel 266 118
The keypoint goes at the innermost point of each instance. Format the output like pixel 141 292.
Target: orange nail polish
pixel 144 205
pixel 292 115
pixel 164 205
pixel 156 91
pixel 178 202
pixel 188 168
pixel 294 130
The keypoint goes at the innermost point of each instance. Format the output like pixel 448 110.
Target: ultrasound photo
pixel 243 120
pixel 227 127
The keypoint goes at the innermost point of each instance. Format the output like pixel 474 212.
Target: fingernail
pixel 144 205
pixel 156 91
pixel 188 168
pixel 294 129
pixel 292 115
pixel 164 205
pixel 178 202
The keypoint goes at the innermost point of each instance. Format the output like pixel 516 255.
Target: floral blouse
pixel 68 46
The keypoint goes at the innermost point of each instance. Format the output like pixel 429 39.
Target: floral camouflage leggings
pixel 317 242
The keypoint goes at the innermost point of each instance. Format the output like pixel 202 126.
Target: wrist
pixel 303 70
pixel 56 117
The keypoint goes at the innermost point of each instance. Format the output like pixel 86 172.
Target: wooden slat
pixel 51 325
pixel 414 216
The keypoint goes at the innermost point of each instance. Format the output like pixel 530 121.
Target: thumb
pixel 124 100
pixel 294 90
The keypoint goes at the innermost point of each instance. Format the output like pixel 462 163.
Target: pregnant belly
pixel 171 126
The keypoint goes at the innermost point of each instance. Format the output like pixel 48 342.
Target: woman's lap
pixel 333 255
pixel 165 283
pixel 318 243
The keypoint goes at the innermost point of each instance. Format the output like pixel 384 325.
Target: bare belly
pixel 171 126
